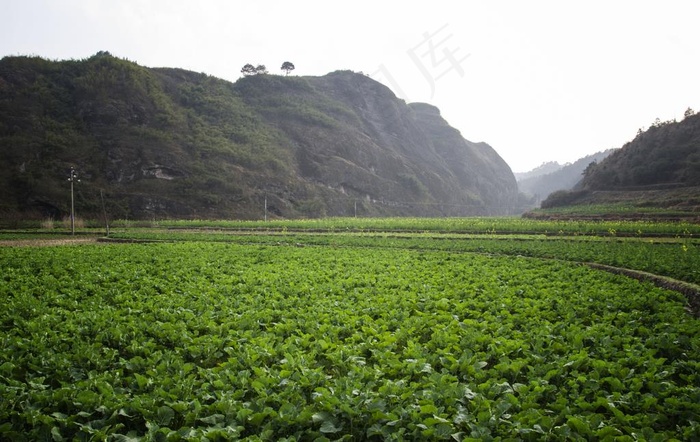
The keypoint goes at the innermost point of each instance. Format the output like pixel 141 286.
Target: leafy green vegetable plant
pixel 224 341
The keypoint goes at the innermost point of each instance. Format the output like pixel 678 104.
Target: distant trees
pixel 287 67
pixel 658 123
pixel 249 69
pixel 688 113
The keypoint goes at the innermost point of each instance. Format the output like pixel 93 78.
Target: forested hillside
pixel 666 154
pixel 660 168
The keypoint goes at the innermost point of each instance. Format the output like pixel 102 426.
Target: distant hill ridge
pixel 564 177
pixel 542 169
pixel 667 152
pixel 165 142
pixel 660 167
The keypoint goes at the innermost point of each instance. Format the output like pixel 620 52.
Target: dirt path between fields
pixel 45 242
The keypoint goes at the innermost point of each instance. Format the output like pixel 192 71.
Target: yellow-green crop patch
pixel 482 225
pixel 182 341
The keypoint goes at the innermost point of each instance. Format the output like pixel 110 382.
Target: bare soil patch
pixel 45 242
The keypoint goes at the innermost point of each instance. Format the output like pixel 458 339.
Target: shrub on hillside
pixel 562 198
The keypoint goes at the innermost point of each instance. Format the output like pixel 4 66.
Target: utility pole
pixel 265 207
pixel 72 178
pixel 104 213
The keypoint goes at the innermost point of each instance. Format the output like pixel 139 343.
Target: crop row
pixel 230 341
pixel 460 225
pixel 674 258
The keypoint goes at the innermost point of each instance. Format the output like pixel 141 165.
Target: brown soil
pixel 45 242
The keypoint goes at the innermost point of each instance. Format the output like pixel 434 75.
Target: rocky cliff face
pixel 171 143
pixel 395 158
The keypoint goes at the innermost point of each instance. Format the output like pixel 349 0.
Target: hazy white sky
pixel 537 80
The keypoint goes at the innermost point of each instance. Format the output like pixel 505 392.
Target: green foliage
pixel 639 246
pixel 293 101
pixel 412 182
pixel 659 203
pixel 562 198
pixel 475 225
pixel 249 342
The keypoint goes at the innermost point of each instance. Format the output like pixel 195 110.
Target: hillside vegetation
pixel 667 154
pixel 659 169
pixel 169 143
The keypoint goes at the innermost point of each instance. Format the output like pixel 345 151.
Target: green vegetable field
pixel 347 334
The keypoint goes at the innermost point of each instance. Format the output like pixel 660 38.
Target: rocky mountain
pixel 564 177
pixel 154 143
